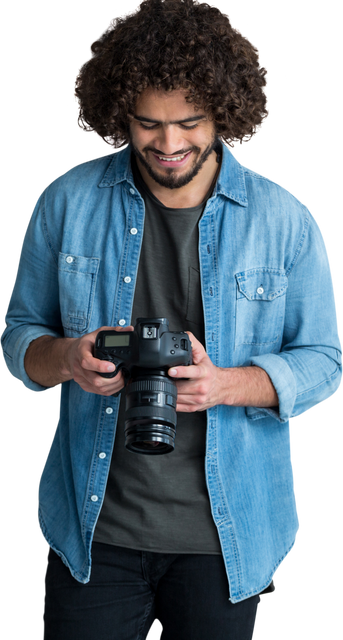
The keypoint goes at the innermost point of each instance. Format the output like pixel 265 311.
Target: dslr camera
pixel 144 356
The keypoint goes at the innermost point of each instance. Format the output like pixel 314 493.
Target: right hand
pixel 85 369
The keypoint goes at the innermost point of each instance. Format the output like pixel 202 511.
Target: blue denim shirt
pixel 268 301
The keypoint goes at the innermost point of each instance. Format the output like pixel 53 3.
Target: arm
pixel 306 372
pixel 248 386
pixel 46 361
pixel 207 385
pixel 50 361
pixel 34 307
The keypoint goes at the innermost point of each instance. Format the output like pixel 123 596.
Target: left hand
pixel 201 388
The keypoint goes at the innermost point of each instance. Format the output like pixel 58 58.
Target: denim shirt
pixel 268 301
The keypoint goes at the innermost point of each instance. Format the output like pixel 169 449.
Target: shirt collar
pixel 230 182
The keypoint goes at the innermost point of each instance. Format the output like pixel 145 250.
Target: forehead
pixel 165 106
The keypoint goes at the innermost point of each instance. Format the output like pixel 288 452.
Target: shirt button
pixel 94 498
pixel 102 455
pixel 69 259
pixel 122 322
pixel 260 290
pixel 132 191
pixel 109 410
pixel 133 231
pixel 127 279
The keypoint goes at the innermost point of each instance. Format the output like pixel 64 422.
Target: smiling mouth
pixel 177 160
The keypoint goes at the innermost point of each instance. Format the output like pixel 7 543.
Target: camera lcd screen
pixel 117 341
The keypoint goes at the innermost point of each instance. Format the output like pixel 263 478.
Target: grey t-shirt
pixel 160 503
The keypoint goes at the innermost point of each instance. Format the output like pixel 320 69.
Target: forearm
pixel 46 360
pixel 246 387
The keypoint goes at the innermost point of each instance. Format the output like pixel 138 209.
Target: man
pixel 222 253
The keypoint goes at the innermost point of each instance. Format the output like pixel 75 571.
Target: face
pixel 171 140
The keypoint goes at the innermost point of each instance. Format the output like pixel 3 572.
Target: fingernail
pixel 110 367
pixel 172 372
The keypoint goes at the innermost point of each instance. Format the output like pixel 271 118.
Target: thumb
pixel 198 351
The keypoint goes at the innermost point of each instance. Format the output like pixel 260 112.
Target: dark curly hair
pixel 172 44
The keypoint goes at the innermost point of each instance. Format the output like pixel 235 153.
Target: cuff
pixel 284 384
pixel 14 364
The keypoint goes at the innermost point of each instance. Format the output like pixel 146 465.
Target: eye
pixel 148 127
pixel 155 125
pixel 185 126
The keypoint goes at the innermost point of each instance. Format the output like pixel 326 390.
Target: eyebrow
pixel 192 119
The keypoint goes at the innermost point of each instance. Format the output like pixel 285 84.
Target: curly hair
pixel 172 44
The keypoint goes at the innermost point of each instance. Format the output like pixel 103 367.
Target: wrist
pixel 247 387
pixel 233 381
pixel 64 347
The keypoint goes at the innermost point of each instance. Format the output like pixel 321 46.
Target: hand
pixel 85 369
pixel 203 386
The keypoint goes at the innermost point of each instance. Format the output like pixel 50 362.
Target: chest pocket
pixel 260 306
pixel 77 280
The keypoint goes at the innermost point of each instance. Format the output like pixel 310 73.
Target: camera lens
pixel 150 415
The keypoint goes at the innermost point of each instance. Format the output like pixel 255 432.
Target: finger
pixel 190 372
pixel 107 383
pixel 89 363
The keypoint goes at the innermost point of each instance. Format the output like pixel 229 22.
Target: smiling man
pixel 170 227
pixel 173 153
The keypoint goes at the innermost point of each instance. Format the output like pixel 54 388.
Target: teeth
pixel 172 159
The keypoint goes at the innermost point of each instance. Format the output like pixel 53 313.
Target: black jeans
pixel 128 589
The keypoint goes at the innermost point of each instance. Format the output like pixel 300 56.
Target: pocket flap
pixel 79 264
pixel 261 284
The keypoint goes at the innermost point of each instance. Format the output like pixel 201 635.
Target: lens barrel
pixel 150 413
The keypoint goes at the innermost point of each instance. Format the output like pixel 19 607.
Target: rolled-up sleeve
pixel 34 308
pixel 308 368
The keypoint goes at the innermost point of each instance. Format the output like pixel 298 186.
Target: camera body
pixel 144 356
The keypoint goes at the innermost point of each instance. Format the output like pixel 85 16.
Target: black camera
pixel 144 356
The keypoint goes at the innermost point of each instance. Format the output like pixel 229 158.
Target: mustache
pixel 176 153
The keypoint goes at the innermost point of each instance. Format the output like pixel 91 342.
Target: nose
pixel 168 139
